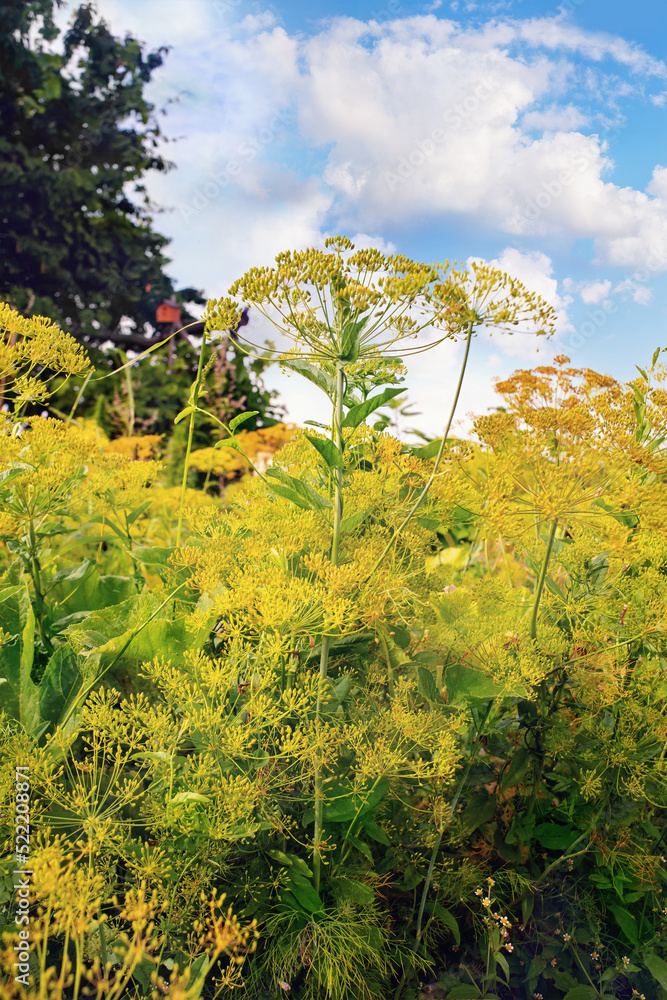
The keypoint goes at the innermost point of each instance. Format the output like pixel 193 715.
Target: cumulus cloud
pixel 595 292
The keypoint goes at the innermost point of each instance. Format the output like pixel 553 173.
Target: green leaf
pixel 426 684
pixel 658 969
pixel 582 993
pixel 298 487
pixel 375 831
pixel 520 764
pixel 241 418
pixel 527 905
pixel 328 450
pixel 360 846
pixel 463 683
pixel 479 810
pixel 464 993
pixel 305 894
pixel 357 414
pixel 356 802
pixel 20 696
pixel 184 413
pixel 400 635
pixel 448 919
pixel 454 555
pixel 284 491
pixel 656 355
pixel 131 518
pixel 59 687
pixel 72 573
pixel 502 962
pixel 229 443
pixel 555 837
pixel 319 378
pixel 354 520
pixel 356 892
pixel 427 450
pixel 186 798
pixel 626 922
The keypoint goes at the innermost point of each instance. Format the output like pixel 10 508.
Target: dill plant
pixel 348 314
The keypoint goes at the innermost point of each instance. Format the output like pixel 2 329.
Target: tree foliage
pixel 77 137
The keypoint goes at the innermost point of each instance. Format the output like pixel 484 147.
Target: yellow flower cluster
pixel 33 342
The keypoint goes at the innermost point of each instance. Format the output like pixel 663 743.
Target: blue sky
pixel 527 133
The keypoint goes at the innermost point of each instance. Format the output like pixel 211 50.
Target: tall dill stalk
pixel 324 655
pixel 192 403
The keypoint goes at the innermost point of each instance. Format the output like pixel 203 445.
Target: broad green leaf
pixel 502 962
pixel 356 892
pixel 241 418
pixel 20 696
pixel 375 831
pixel 299 488
pixel 426 684
pixel 582 993
pixel 555 837
pixel 447 918
pixel 319 378
pixel 305 894
pixel 72 573
pixel 521 762
pixel 464 993
pixel 229 443
pixel 658 969
pixel 186 798
pixel 463 684
pixel 360 846
pixel 427 450
pixel 153 555
pixel 357 414
pixel 400 635
pixel 479 810
pixel 527 906
pixel 455 556
pixel 184 413
pixel 342 807
pixel 354 520
pixel 287 494
pixel 626 922
pixel 59 687
pixel 328 450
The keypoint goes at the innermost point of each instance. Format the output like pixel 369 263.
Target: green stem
pixel 452 809
pixel 438 458
pixel 78 397
pixel 191 429
pixel 324 655
pixel 35 572
pixel 543 576
pixel 130 399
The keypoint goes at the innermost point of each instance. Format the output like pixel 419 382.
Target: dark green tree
pixel 77 137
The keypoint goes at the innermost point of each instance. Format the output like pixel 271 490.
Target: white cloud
pixel 535 270
pixel 555 119
pixel 595 292
pixel 642 296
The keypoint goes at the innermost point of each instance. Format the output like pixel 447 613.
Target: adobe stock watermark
pixel 246 151
pixel 597 318
pixel 423 149
pixel 22 873
pixel 223 7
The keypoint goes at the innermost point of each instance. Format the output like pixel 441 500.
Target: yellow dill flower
pixel 30 342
